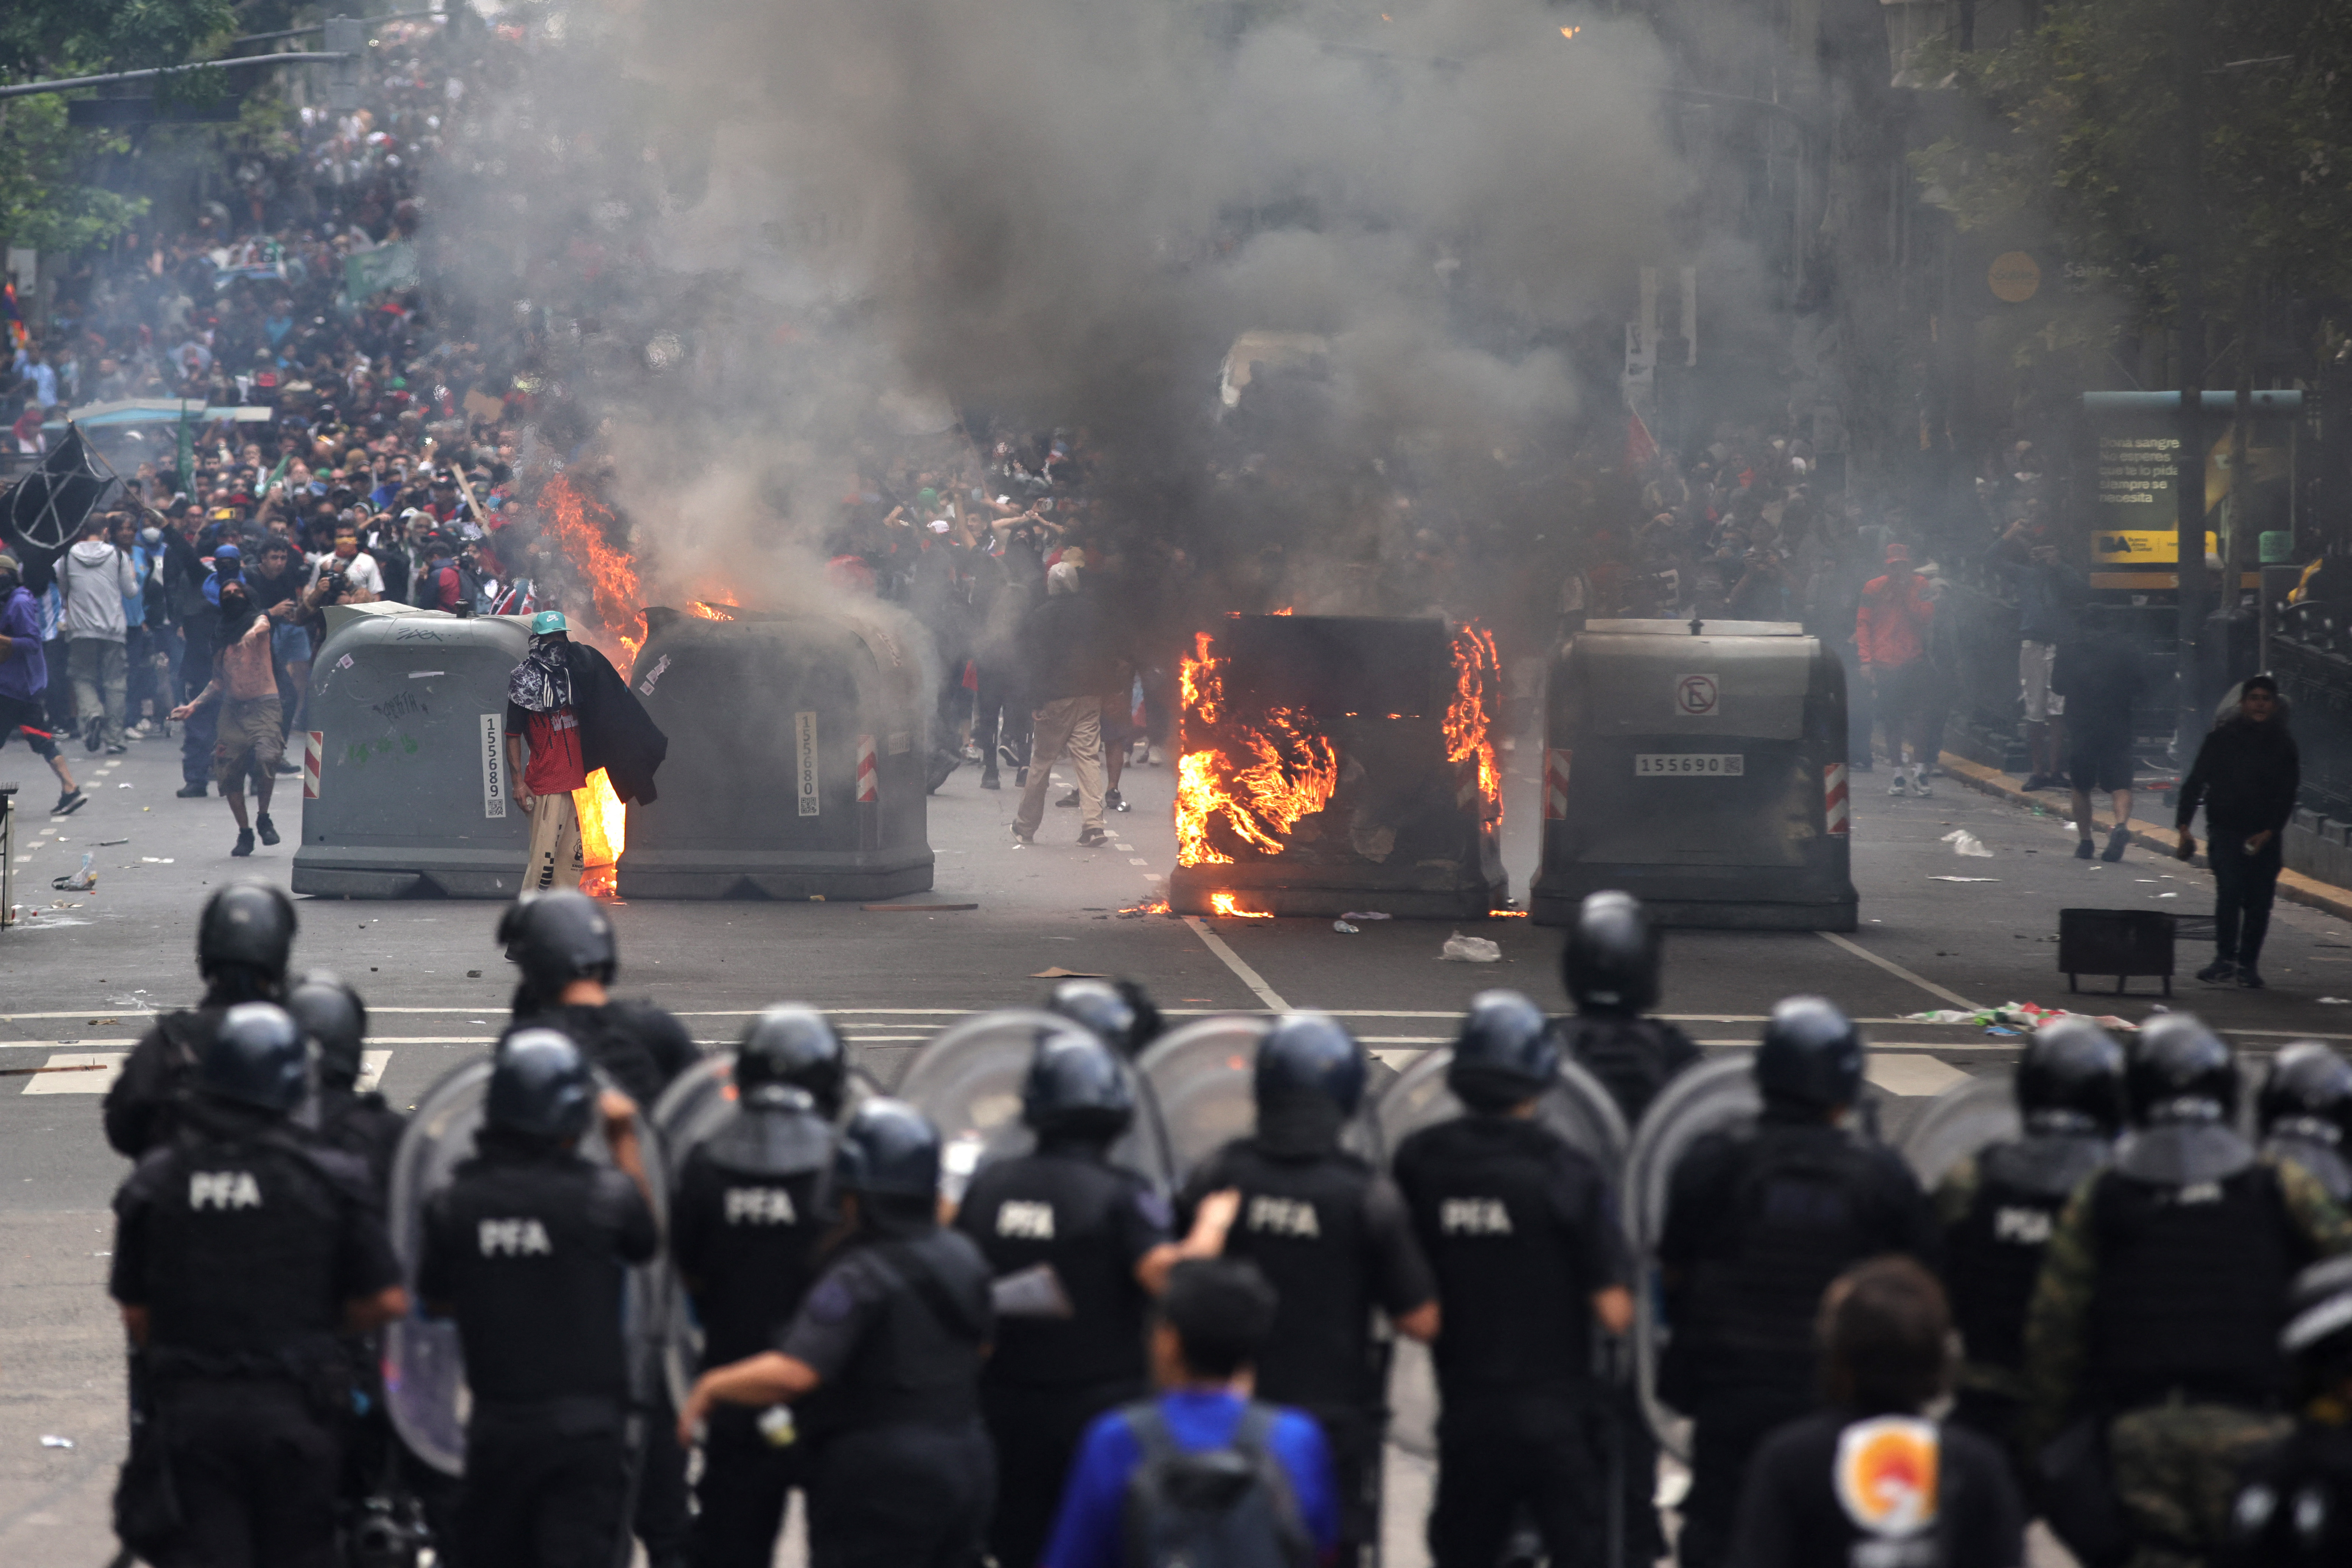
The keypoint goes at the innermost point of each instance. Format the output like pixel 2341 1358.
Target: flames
pixel 604 834
pixel 1264 776
pixel 571 518
pixel 1469 723
pixel 1222 904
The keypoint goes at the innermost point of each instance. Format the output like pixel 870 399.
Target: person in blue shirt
pixel 1212 1320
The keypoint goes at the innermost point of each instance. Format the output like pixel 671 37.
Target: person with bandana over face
pixel 575 714
pixel 250 738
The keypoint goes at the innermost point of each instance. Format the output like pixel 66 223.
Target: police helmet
pixel 249 924
pixel 1611 963
pixel 255 1058
pixel 2309 1093
pixel 558 937
pixel 2318 1333
pixel 888 1149
pixel 1505 1053
pixel 1101 1007
pixel 1810 1057
pixel 540 1086
pixel 1310 1053
pixel 2072 1067
pixel 2179 1070
pixel 1075 1087
pixel 793 1047
pixel 331 1013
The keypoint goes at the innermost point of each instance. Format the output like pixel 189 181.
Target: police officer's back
pixel 2158 1308
pixel 1611 966
pixel 1332 1237
pixel 244 938
pixel 744 1227
pixel 1080 1235
pixel 242 1249
pixel 334 1020
pixel 2294 1504
pixel 882 1363
pixel 2305 1111
pixel 1518 1229
pixel 528 1248
pixel 1757 1224
pixel 1999 1206
pixel 562 943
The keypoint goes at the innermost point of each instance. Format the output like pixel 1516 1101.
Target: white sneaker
pixel 1901 786
pixel 1920 786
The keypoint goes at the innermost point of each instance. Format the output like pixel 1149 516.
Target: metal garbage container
pixel 405 787
pixel 795 767
pixel 1701 767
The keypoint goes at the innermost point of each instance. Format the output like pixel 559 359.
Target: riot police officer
pixel 2305 1111
pixel 1999 1206
pixel 563 942
pixel 1332 1237
pixel 1758 1223
pixel 241 1250
pixel 1086 1243
pixel 882 1363
pixel 1122 1012
pixel 528 1248
pixel 2294 1506
pixel 334 1020
pixel 1519 1228
pixel 1611 966
pixel 243 939
pixel 744 1227
pixel 2161 1298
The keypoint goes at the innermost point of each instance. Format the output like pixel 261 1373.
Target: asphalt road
pixel 78 975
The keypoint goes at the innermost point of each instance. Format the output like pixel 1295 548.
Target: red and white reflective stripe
pixel 314 758
pixel 1834 805
pixel 869 783
pixel 1556 764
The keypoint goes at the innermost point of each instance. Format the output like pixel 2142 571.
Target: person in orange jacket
pixel 1890 636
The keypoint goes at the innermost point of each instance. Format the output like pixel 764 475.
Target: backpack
pixel 1221 1507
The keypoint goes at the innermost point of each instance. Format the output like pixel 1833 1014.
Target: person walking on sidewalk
pixel 1890 636
pixel 2047 590
pixel 96 577
pixel 248 741
pixel 2098 673
pixel 24 678
pixel 1068 669
pixel 2246 775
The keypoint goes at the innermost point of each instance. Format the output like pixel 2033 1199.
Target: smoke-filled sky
pixel 793 227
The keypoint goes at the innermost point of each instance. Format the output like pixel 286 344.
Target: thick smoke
pixel 764 243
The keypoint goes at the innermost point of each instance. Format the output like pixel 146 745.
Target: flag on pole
pixel 1639 448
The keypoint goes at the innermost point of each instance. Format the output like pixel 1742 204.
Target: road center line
pixel 1249 976
pixel 1898 970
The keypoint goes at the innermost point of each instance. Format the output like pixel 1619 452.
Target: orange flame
pixel 580 523
pixel 1222 904
pixel 1477 678
pixel 1285 609
pixel 1287 769
pixel 604 834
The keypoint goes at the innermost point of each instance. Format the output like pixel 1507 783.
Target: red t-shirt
pixel 555 766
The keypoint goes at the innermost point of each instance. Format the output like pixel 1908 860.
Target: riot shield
pixel 424 1365
pixel 968 1081
pixel 1576 1106
pixel 1201 1077
pixel 1717 1096
pixel 1964 1119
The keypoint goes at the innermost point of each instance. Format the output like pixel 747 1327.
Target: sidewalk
pixel 2160 836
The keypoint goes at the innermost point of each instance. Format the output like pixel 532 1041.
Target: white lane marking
pixel 371 1066
pixel 1895 969
pixel 1912 1076
pixel 1249 976
pixel 109 1065
pixel 1136 859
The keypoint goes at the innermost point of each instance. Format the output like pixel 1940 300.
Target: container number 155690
pixel 1689 764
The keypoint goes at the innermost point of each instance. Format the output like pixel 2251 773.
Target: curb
pixel 2293 886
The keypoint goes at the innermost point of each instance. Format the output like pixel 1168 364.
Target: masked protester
pixel 25 683
pixel 251 737
pixel 1611 966
pixel 570 710
pixel 882 1364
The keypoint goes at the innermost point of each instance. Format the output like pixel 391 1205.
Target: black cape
pixel 616 734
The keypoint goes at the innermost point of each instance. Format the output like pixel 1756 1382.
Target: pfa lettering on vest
pixel 1282 1217
pixel 1473 1217
pixel 2025 1226
pixel 222 1189
pixel 513 1238
pixel 1027 1222
pixel 760 1206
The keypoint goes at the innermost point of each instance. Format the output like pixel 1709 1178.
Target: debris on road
pixel 1058 973
pixel 1965 843
pixel 2015 1015
pixel 1964 879
pixel 50 1441
pixel 1364 915
pixel 1461 950
pixel 1342 926
pixel 81 880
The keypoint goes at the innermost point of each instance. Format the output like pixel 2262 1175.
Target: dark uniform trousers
pixel 747 1482
pixel 1356 1438
pixel 1497 1453
pixel 546 1487
pixel 255 1465
pixel 1725 1432
pixel 1036 1430
pixel 904 1495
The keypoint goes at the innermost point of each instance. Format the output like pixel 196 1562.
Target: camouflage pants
pixel 2176 1470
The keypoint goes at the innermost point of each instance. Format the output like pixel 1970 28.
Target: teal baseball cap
pixel 548 621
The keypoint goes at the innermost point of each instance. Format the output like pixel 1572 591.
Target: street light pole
pixel 2189 472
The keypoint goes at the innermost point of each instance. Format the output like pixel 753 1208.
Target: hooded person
pixel 567 705
pixel 96 579
pixel 250 738
pixel 2246 775
pixel 24 680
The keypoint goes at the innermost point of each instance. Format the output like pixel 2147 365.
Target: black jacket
pixel 616 734
pixel 2246 775
pixel 2100 677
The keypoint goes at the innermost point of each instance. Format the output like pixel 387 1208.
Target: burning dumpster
pixel 1328 762
pixel 795 766
pixel 1703 772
